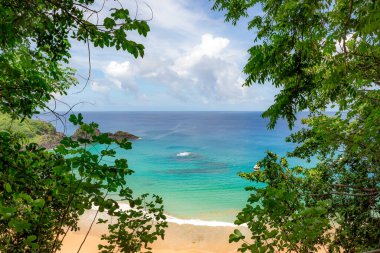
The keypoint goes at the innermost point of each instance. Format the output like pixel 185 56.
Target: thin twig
pixel 89 68
pixel 92 223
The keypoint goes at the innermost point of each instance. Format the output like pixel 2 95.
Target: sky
pixel 193 61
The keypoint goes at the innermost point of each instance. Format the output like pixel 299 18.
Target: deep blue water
pixel 215 146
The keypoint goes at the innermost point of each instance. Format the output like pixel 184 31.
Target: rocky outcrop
pixel 120 135
pixel 45 134
pixel 51 140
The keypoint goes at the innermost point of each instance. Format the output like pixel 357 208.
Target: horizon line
pixel 77 111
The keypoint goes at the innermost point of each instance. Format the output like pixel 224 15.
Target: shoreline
pixel 185 237
pixel 199 222
pixel 192 221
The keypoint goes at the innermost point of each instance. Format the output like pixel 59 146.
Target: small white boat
pixel 256 168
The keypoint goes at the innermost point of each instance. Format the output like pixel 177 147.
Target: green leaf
pixel 8 187
pixel 80 118
pixel 73 119
pixel 31 238
pixel 109 23
pixel 19 225
pixel 39 203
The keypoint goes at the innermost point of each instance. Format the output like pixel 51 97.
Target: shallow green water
pixel 191 159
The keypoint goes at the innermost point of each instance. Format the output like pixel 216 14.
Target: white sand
pixel 178 238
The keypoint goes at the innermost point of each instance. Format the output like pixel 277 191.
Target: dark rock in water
pixel 52 138
pixel 45 134
pixel 120 135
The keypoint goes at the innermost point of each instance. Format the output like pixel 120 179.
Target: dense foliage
pixel 35 42
pixel 320 54
pixel 43 193
pixel 316 52
pixel 33 130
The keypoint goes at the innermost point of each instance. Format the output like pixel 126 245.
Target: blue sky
pixel 193 61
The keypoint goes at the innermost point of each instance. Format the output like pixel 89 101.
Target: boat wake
pixel 182 154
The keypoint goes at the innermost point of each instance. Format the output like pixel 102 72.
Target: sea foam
pixel 194 222
pixel 197 222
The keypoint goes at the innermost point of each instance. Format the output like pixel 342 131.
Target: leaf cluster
pixel 278 212
pixel 43 194
pixel 316 52
pixel 32 130
pixel 305 210
pixel 35 41
pixel 319 54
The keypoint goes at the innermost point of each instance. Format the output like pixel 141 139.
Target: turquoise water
pixel 191 159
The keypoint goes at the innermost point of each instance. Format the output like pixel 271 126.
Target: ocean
pixel 192 159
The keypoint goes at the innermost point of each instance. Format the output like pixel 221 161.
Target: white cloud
pixel 122 75
pixel 118 70
pixel 173 15
pixel 192 60
pixel 117 83
pixel 210 47
pixel 99 88
pixel 209 72
pixel 204 73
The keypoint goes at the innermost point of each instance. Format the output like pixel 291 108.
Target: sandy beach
pixel 179 238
